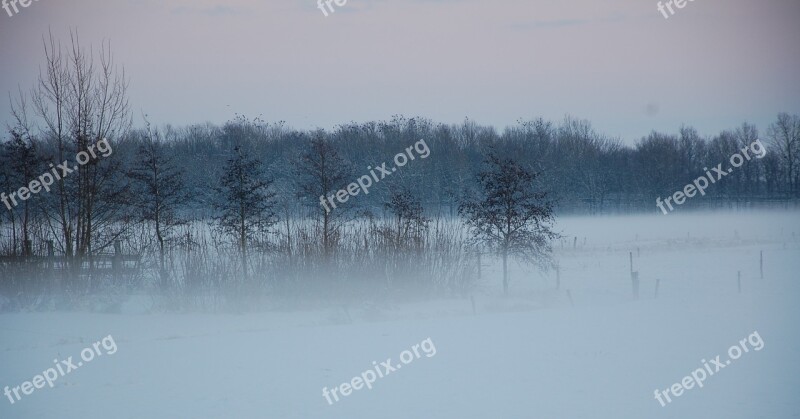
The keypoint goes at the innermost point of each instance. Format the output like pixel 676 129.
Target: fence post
pixel 739 281
pixel 635 284
pixel 631 258
pixel 558 277
pixel 51 255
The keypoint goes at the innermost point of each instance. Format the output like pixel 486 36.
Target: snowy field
pixel 534 355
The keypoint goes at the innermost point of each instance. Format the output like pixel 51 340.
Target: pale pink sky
pixel 714 65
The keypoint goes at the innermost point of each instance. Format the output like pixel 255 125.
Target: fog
pixel 399 209
pixel 537 353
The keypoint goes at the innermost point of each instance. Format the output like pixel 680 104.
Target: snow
pixel 532 355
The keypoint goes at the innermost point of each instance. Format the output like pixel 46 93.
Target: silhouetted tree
pixel 26 164
pixel 245 203
pixel 81 99
pixel 509 216
pixel 21 166
pixel 408 213
pixel 321 173
pixel 784 139
pixel 158 191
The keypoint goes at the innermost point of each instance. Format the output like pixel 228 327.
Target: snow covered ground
pixel 533 355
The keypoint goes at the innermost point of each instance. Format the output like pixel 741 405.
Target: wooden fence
pixel 114 263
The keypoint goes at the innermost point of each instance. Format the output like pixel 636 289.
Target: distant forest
pixel 237 207
pixel 582 170
pixel 585 171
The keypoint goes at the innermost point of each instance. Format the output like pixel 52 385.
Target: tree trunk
pixel 13 233
pixel 162 270
pixel 243 244
pixel 325 236
pixel 505 272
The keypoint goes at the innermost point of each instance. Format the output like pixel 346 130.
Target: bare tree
pixel 408 213
pixel 585 169
pixel 26 164
pixel 321 173
pixel 81 100
pixel 245 203
pixel 510 216
pixel 747 177
pixel 158 191
pixel 784 136
pixel 657 165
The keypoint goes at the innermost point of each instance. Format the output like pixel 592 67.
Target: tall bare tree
pixel 510 216
pixel 80 100
pixel 158 191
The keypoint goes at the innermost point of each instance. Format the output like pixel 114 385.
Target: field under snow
pixel 533 355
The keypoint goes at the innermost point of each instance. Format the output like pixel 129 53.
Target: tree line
pixel 258 183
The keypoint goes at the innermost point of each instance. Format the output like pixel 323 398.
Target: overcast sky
pixel 618 63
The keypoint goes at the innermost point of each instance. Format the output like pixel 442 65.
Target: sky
pixel 712 65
